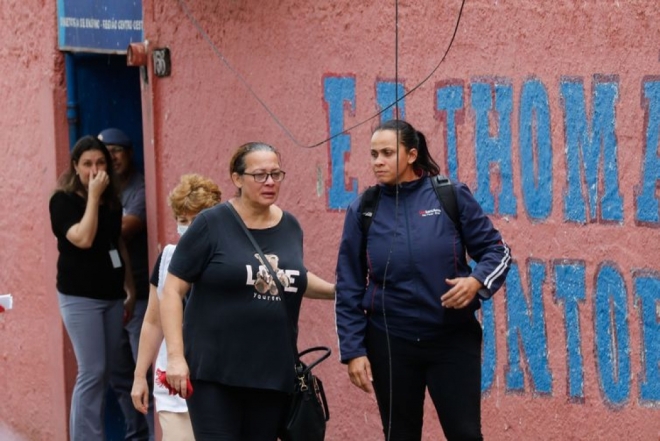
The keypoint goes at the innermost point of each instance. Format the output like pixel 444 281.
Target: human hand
pixel 97 184
pixel 140 394
pixel 178 375
pixel 461 293
pixel 129 307
pixel 359 371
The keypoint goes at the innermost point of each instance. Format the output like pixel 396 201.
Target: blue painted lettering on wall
pixel 450 103
pixel 590 146
pixel 591 194
pixel 493 150
pixel 386 95
pixel 591 149
pixel 647 203
pixel 535 144
pixel 527 330
pixel 489 356
pixel 570 291
pixel 647 294
pixel 337 92
pixel 612 334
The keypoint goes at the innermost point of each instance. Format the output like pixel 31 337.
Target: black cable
pixel 288 133
pixel 388 429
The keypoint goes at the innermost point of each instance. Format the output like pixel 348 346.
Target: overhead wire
pixel 272 114
pixel 396 112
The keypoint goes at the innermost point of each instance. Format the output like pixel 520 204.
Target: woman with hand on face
pixel 406 296
pixel 93 284
pixel 193 194
pixel 236 344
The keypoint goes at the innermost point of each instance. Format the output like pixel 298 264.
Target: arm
pixel 151 337
pixel 359 372
pixel 350 317
pixel 461 293
pixel 351 284
pixel 485 245
pixel 135 211
pixel 83 233
pixel 130 226
pixel 171 316
pixel 317 288
pixel 129 284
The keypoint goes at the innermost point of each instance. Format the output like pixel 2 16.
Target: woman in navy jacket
pixel 406 307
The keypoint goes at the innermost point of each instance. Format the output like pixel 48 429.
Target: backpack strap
pixel 447 197
pixel 368 205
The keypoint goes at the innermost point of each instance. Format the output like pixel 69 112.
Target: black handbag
pixel 308 411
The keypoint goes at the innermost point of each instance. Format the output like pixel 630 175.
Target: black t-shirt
pixel 87 272
pixel 235 327
pixel 138 254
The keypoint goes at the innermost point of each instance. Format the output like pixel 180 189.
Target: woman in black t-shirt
pixel 236 344
pixel 92 282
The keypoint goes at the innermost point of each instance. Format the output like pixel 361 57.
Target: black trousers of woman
pixel 226 413
pixel 449 366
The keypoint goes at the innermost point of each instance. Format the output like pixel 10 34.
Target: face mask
pixel 181 229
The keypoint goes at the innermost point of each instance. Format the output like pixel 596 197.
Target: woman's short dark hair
pixel 237 162
pixel 70 182
pixel 412 139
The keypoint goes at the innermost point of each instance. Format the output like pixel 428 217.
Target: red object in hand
pixel 161 380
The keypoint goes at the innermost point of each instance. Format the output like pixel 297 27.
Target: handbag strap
pixel 266 263
pixel 326 354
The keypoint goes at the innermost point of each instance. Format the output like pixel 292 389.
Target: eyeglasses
pixel 277 176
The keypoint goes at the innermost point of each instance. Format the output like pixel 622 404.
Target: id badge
pixel 116 261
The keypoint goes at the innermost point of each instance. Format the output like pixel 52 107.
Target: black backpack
pixel 371 196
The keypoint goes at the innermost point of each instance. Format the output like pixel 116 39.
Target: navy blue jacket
pixel 412 247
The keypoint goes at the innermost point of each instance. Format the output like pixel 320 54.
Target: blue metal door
pixel 103 92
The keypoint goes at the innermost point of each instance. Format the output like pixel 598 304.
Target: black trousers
pixel 226 413
pixel 449 366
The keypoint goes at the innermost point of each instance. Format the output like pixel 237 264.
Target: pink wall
pixel 571 349
pixel 544 62
pixel 33 132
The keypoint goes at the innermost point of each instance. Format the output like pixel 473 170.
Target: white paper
pixel 6 301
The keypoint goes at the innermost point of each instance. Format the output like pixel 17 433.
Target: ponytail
pixel 413 139
pixel 424 159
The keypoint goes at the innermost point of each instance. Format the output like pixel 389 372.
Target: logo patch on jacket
pixel 431 212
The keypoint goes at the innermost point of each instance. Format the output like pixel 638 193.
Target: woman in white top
pixel 193 194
